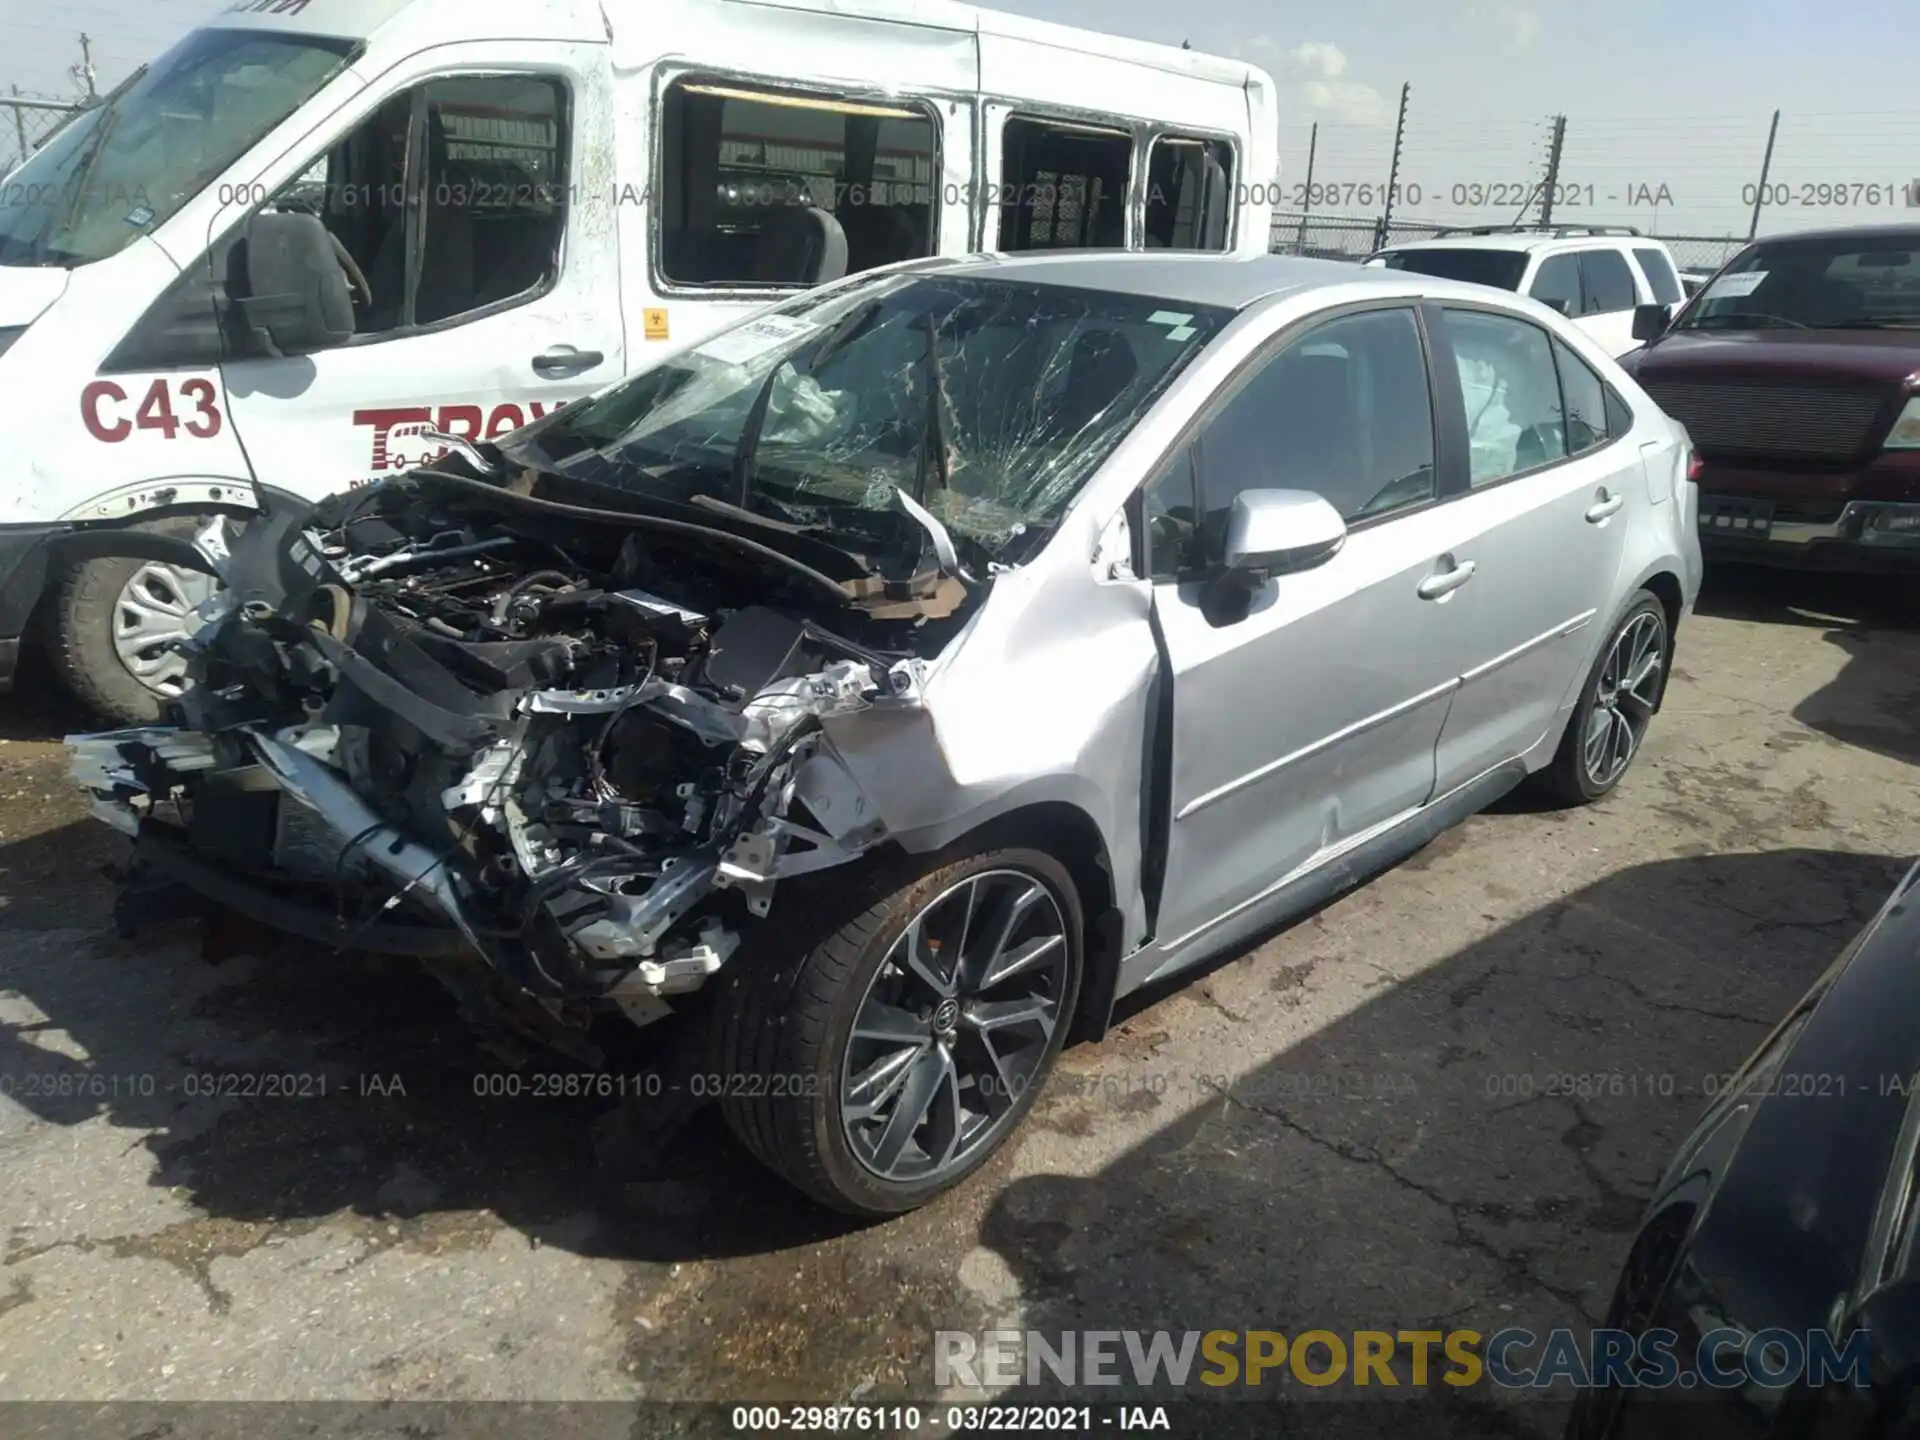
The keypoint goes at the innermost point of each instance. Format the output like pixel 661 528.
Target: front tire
pixel 112 619
pixel 894 1058
pixel 1616 706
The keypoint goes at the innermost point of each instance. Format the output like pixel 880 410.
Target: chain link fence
pixel 1354 237
pixel 27 123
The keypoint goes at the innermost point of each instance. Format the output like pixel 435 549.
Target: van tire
pixel 80 634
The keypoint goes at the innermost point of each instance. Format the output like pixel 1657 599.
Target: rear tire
pixel 87 615
pixel 824 1056
pixel 1609 722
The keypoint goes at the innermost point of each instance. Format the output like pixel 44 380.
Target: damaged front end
pixel 454 718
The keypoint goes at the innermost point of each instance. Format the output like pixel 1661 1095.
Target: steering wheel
pixel 356 278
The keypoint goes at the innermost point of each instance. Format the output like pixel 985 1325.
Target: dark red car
pixel 1796 370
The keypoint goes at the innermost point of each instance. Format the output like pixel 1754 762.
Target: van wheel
pixel 112 619
pixel 1609 724
pixel 894 1058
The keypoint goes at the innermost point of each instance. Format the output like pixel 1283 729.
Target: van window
pixel 488 161
pixel 1189 185
pixel 1063 185
pixel 767 188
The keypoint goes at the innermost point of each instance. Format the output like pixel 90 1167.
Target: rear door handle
pixel 1605 507
pixel 565 362
pixel 1434 587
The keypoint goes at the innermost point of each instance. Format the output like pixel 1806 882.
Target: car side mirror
pixel 1280 532
pixel 1650 321
pixel 1559 305
pixel 297 298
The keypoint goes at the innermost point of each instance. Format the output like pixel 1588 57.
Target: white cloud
pixel 1313 76
pixel 1518 24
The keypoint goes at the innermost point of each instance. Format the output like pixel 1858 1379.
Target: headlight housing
pixel 9 334
pixel 1905 434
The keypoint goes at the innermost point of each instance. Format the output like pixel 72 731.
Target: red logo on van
pixel 397 430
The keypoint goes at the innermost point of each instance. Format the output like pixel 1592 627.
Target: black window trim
pixel 118 363
pixel 1446 344
pixel 1230 387
pixel 926 98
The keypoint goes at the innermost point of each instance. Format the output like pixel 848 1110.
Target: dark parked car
pixel 1796 370
pixel 1789 1212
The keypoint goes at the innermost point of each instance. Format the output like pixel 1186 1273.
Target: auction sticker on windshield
pixel 756 338
pixel 1732 287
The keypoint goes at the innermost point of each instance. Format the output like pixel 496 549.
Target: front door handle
pixel 1606 506
pixel 566 362
pixel 1435 587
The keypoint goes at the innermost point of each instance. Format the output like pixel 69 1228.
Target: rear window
pixel 1659 272
pixel 1501 269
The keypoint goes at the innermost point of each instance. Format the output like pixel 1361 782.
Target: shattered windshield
pixel 1822 283
pixel 124 167
pixel 988 402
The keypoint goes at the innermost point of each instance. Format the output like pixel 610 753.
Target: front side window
pixel 1658 269
pixel 1063 185
pixel 128 165
pixel 1501 269
pixel 1511 392
pixel 482 161
pixel 1189 193
pixel 763 188
pixel 1344 411
pixel 988 402
pixel 1843 282
pixel 1607 282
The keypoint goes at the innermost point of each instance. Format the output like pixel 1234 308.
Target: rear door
pixel 1545 520
pixel 1310 719
pixel 476 198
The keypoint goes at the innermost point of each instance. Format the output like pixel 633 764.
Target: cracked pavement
pixel 1440 1101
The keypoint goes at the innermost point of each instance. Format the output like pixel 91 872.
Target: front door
pixel 476 199
pixel 1311 720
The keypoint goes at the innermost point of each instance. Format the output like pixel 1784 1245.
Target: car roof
pixel 1520 240
pixel 1228 281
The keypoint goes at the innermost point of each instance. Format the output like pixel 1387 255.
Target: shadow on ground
pixel 1874 621
pixel 1470 1148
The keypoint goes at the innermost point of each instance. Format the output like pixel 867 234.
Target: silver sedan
pixel 883 687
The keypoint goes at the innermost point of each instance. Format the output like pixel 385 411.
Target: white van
pixel 317 233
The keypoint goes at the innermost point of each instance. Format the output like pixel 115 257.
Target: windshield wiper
pixel 1757 319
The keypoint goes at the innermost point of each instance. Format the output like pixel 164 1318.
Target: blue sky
pixel 1656 95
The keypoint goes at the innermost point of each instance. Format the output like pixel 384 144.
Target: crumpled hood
pixel 25 294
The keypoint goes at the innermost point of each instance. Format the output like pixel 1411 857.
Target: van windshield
pixel 986 401
pixel 1847 282
pixel 114 173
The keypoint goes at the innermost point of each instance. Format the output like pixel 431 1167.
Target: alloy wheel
pixel 158 605
pixel 1624 698
pixel 955 1027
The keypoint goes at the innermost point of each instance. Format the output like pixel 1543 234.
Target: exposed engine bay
pixel 446 715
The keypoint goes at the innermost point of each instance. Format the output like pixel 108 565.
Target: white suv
pixel 1593 275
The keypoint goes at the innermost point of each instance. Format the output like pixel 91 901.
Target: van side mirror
pixel 1650 321
pixel 297 299
pixel 1280 532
